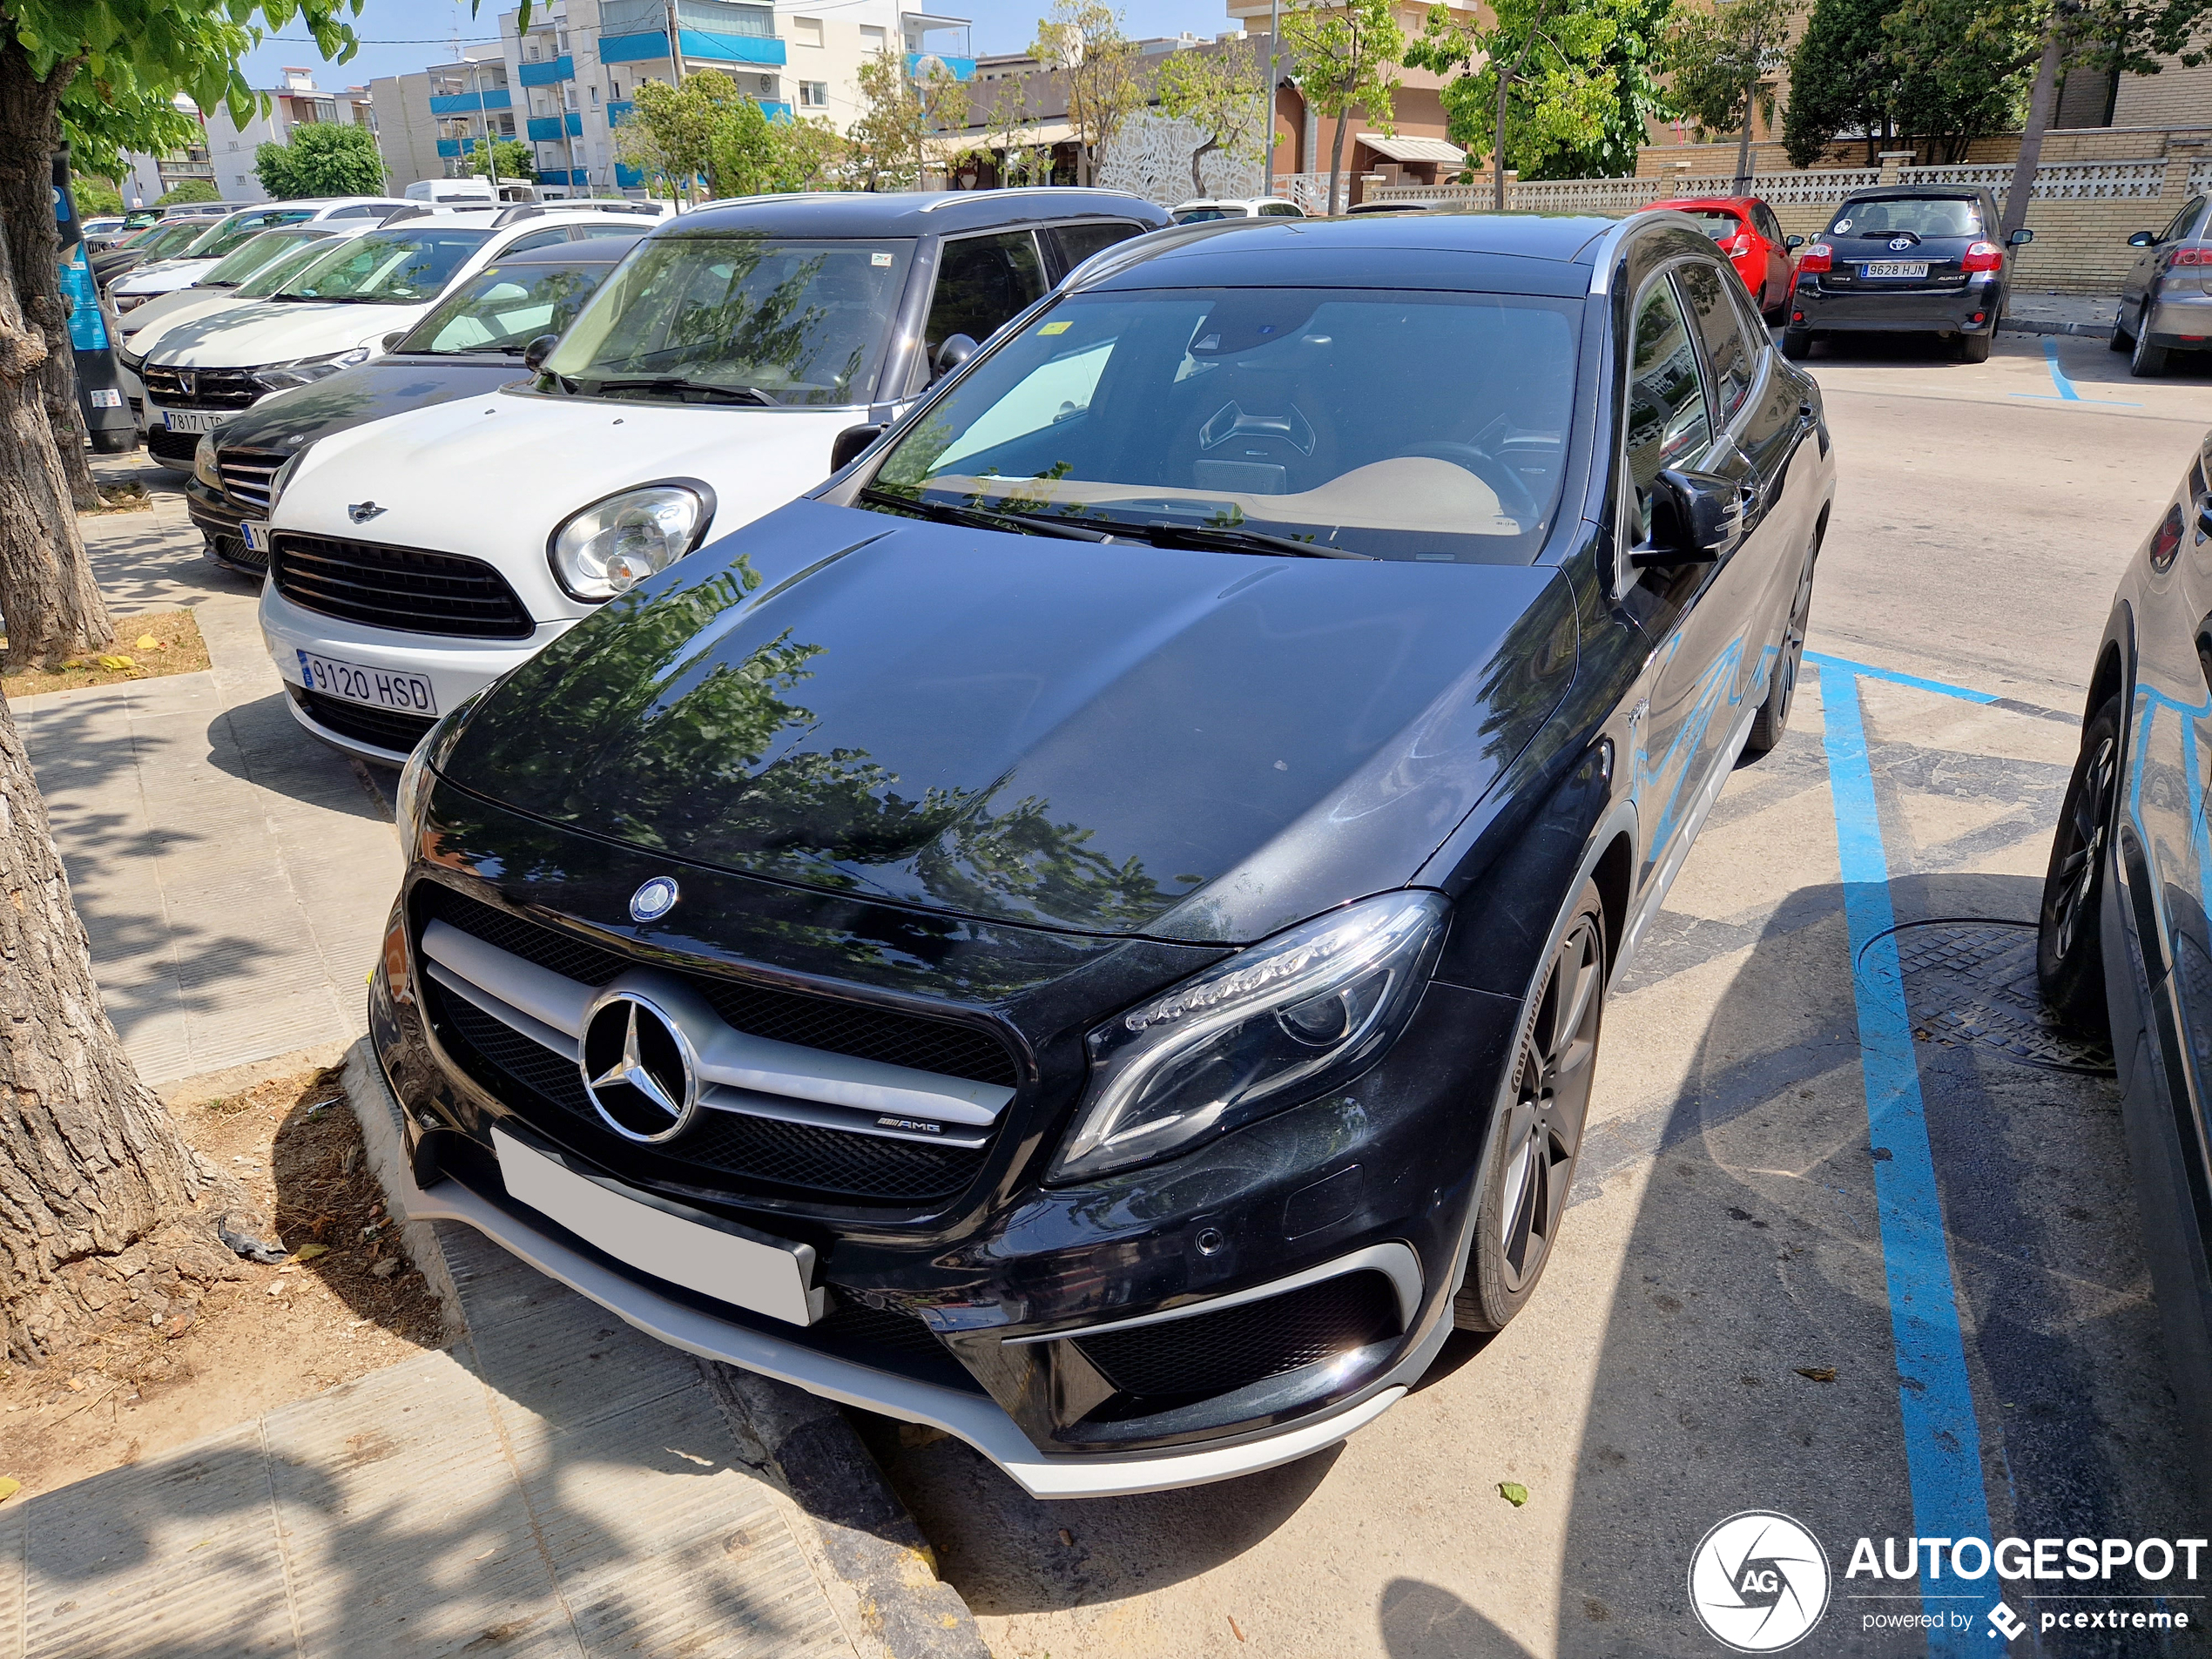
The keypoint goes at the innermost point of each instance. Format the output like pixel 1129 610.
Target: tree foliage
pixel 1217 90
pixel 324 159
pixel 1579 82
pixel 907 127
pixel 1348 53
pixel 499 158
pixel 1721 63
pixel 1083 43
pixel 1841 79
pixel 95 197
pixel 709 129
pixel 1957 68
pixel 191 190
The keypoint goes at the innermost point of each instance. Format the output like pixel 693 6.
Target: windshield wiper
pixel 678 383
pixel 1236 541
pixel 984 518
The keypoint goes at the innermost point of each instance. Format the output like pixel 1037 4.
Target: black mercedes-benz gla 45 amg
pixel 1090 929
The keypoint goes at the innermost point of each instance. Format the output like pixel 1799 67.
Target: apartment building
pixel 427 122
pixel 224 157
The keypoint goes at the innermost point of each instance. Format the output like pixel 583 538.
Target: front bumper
pixel 1948 311
pixel 218 519
pixel 457 669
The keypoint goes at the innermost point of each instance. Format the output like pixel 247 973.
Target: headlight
pixel 305 371
pixel 1274 1024
pixel 612 545
pixel 129 301
pixel 419 773
pixel 203 463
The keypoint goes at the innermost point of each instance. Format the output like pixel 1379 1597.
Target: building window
pixel 806 31
pixel 872 39
pixel 595 97
pixel 813 95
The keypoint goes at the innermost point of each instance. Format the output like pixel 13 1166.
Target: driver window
pixel 981 282
pixel 1667 423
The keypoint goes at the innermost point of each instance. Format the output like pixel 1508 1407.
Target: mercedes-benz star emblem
pixel 637 1067
pixel 654 900
pixel 362 511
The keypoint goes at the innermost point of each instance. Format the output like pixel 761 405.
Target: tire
pixel 1974 348
pixel 2146 360
pixel 2119 339
pixel 1773 717
pixel 1796 344
pixel 1536 1130
pixel 2069 939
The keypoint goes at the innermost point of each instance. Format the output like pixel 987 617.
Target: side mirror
pixel 850 444
pixel 2143 238
pixel 538 350
pixel 955 351
pixel 391 341
pixel 1793 243
pixel 1695 519
pixel 2020 237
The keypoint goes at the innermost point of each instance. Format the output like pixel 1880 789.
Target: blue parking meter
pixel 99 393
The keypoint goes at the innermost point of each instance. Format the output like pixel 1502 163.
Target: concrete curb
pixel 2038 325
pixel 866 1537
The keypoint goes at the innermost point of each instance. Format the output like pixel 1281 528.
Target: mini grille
pixel 245 475
pixel 398 587
pixel 200 388
pixel 722 1150
pixel 381 728
pixel 788 1016
pixel 1212 1354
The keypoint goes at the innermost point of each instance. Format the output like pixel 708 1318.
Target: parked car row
pixel 1014 813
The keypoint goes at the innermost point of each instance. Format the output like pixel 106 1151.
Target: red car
pixel 1747 230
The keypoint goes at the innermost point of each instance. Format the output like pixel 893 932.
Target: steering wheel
pixel 1512 493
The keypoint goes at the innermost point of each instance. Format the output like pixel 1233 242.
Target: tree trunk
pixel 48 601
pixel 96 1186
pixel 1336 163
pixel 1198 184
pixel 30 133
pixel 2039 119
pixel 1751 108
pixel 1497 144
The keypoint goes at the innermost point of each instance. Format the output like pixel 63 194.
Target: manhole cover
pixel 1972 984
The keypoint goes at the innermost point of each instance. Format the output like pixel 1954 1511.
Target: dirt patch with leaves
pixel 179 1351
pixel 129 497
pixel 147 646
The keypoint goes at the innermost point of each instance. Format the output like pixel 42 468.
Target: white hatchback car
pixel 164 276
pixel 1206 208
pixel 334 312
pixel 736 358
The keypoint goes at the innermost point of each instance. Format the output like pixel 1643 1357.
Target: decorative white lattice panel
pixel 1587 195
pixel 1816 188
pixel 1151 156
pixel 2096 181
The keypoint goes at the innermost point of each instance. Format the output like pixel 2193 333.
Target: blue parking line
pixel 2066 394
pixel 1942 1435
pixel 1868 671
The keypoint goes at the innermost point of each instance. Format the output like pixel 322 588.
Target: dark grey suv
pixel 1904 260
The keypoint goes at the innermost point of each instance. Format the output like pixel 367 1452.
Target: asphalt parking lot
pixel 1852 1235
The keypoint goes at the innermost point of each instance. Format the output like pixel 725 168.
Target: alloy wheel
pixel 2074 877
pixel 1551 1098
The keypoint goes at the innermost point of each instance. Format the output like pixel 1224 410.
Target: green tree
pixel 1216 90
pixel 1957 68
pixel 324 159
pixel 1348 53
pixel 1723 64
pixel 1569 86
pixel 907 127
pixel 1841 77
pixel 500 159
pixel 1081 43
pixel 192 190
pixel 95 197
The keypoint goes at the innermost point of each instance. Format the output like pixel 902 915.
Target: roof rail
pixel 413 210
pixel 517 214
pixel 952 196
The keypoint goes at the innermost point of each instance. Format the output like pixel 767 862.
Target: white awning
pixel 1405 149
pixel 1035 137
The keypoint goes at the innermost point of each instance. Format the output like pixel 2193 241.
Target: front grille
pixel 788 1016
pixel 406 587
pixel 172 446
pixel 245 476
pixel 200 388
pixel 380 728
pixel 722 1150
pixel 886 1329
pixel 233 549
pixel 1213 1354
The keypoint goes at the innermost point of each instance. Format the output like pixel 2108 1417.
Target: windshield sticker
pixel 1841 225
pixel 881 261
pixel 1053 328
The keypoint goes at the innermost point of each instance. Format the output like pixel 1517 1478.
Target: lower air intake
pixel 1215 1353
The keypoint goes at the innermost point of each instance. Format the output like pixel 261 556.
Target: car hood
pixel 549 455
pixel 279 331
pixel 140 328
pixel 1103 738
pixel 170 274
pixel 370 391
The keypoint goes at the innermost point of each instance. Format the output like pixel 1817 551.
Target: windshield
pixel 1199 215
pixel 163 240
pixel 231 232
pixel 1395 425
pixel 294 261
pixel 784 322
pixel 255 253
pixel 503 307
pixel 394 267
pixel 1717 222
pixel 1922 216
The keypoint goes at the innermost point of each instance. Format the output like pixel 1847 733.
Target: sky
pixel 399 36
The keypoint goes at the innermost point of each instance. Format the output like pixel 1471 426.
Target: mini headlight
pixel 305 371
pixel 1279 1023
pixel 614 544
pixel 203 463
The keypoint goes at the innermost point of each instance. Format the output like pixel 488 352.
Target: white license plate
pixel 255 534
pixel 765 1275
pixel 380 688
pixel 1893 268
pixel 191 420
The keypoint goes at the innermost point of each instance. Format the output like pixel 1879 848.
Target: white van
pixel 470 191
